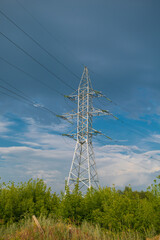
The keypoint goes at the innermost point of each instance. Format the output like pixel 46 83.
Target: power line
pixel 45 29
pixel 140 133
pixel 31 76
pixel 33 17
pixel 47 53
pixel 11 96
pixel 125 124
pixel 40 46
pixel 51 71
pixel 18 95
pixel 35 60
pixel 64 137
pixel 13 87
pixel 27 99
pixel 124 159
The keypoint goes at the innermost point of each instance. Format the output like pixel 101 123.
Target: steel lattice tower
pixel 83 167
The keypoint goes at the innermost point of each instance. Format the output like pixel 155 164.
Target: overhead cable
pixel 35 60
pixel 40 46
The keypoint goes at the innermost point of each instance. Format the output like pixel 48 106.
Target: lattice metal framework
pixel 83 167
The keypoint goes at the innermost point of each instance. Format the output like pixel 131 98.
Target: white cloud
pixel 4 126
pixel 155 138
pixel 60 127
pixel 121 165
pixel 52 178
pixel 21 163
pixel 46 155
pixel 43 136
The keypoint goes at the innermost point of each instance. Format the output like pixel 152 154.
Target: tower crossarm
pixel 102 112
pixel 71 97
pixel 99 112
pixel 69 135
pixel 68 116
pixel 94 112
pixel 96 132
pixel 64 118
pixel 96 93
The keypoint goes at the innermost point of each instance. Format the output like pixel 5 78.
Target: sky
pixel 44 46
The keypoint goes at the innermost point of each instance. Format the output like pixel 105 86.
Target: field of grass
pixel 27 230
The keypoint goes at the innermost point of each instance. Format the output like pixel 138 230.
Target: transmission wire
pixel 34 104
pixel 35 60
pixel 40 46
pixel 45 29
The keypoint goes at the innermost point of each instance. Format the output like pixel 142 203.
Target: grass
pixel 27 230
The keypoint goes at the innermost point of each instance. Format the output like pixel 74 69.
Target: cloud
pixel 44 153
pixel 22 163
pixel 52 178
pixel 5 126
pixel 154 138
pixel 40 154
pixel 116 164
pixel 121 165
pixel 37 135
pixel 60 127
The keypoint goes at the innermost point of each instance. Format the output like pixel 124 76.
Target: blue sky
pixel 118 40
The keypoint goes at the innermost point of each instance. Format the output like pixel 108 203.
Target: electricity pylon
pixel 83 167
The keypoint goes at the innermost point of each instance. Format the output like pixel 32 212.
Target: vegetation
pixel 108 212
pixel 26 230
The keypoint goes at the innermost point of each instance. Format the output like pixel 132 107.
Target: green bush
pixel 26 199
pixel 111 209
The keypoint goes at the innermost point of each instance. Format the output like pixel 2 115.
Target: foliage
pixel 26 199
pixel 110 209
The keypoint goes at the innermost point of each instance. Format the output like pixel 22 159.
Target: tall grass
pixel 27 230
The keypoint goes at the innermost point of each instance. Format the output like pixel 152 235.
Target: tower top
pixel 85 80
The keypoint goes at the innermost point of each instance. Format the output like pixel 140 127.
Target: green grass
pixel 27 230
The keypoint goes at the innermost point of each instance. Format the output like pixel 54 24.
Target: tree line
pixel 107 207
